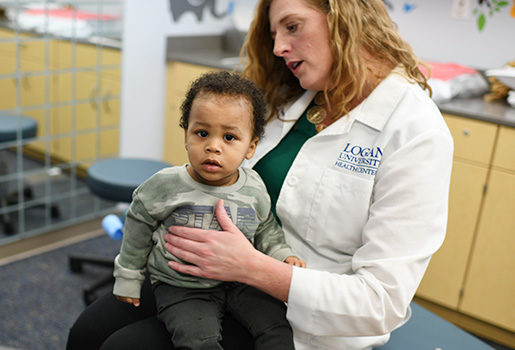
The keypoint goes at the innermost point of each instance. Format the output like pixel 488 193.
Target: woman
pixel 359 173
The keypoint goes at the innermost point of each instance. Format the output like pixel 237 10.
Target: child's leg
pixel 192 316
pixel 263 315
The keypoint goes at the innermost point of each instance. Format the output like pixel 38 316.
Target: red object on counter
pixel 446 71
pixel 70 13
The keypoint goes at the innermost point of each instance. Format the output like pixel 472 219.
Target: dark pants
pixel 193 317
pixel 109 324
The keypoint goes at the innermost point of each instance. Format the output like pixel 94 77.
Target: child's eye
pixel 229 137
pixel 202 133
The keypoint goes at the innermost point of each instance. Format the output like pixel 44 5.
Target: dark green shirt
pixel 274 166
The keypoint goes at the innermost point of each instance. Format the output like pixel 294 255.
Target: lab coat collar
pixel 377 108
pixel 290 114
pixel 374 111
pixel 277 128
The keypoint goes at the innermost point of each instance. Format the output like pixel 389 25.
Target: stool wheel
pixel 75 265
pixel 8 228
pixel 54 211
pixel 28 193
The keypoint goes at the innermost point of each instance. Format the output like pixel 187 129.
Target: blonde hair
pixel 354 25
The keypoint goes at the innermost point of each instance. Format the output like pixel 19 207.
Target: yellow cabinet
pixel 90 127
pixel 90 57
pixel 78 109
pixel 443 280
pixel 32 88
pixel 473 140
pixel 505 151
pixel 8 93
pixel 470 279
pixel 490 284
pixel 473 146
pixel 179 77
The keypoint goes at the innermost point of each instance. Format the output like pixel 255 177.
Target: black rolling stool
pixel 10 127
pixel 113 179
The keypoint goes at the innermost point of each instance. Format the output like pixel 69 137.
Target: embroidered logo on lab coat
pixel 359 159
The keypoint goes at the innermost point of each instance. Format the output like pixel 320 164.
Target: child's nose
pixel 213 146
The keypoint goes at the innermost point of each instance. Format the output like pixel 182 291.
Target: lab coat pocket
pixel 339 212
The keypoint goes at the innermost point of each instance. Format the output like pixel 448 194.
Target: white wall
pixel 436 35
pixel 146 26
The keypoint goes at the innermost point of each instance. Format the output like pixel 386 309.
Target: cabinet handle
pixel 25 82
pixel 466 132
pixel 93 96
pixel 105 102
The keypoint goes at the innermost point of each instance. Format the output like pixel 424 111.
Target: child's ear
pixel 252 148
pixel 185 139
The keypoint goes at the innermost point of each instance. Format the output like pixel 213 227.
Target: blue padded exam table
pixel 427 331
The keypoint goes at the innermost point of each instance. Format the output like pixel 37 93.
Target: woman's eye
pixel 202 133
pixel 229 137
pixel 291 27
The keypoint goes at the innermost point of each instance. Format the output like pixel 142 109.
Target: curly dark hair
pixel 227 84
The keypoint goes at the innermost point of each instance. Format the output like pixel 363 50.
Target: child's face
pixel 219 138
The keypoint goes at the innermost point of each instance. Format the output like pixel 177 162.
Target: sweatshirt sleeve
pixel 269 239
pixel 406 225
pixel 130 264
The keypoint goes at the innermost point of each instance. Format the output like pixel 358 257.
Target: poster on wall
pixel 197 7
pixel 476 33
pixel 485 9
pixel 199 16
pixel 481 11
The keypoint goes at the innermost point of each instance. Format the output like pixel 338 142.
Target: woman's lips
pixel 294 66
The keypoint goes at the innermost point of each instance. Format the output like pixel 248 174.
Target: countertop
pixel 499 112
pixel 109 40
pixel 217 51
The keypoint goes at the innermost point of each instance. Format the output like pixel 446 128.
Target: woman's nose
pixel 281 46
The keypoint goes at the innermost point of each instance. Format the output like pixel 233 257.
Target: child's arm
pixel 132 301
pixel 294 261
pixel 269 238
pixel 130 264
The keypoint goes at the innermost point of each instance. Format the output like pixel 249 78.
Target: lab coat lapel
pixel 276 129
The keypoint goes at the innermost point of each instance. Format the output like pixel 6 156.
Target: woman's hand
pixel 222 255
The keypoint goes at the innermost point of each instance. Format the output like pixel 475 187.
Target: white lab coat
pixel 365 204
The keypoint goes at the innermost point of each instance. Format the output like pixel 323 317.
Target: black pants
pixel 109 324
pixel 193 317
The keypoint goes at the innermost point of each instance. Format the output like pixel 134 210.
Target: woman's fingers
pixel 194 256
pixel 223 218
pixel 186 269
pixel 194 234
pixel 213 254
pixel 176 243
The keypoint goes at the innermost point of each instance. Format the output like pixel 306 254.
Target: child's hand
pixel 293 260
pixel 132 301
